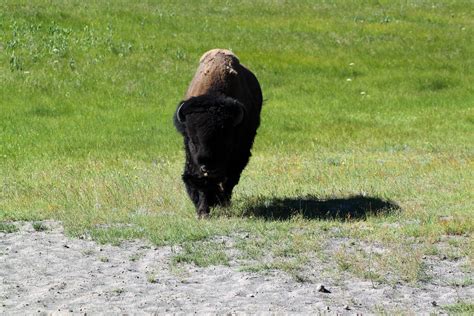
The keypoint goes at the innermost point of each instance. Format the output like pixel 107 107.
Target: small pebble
pixel 346 307
pixel 322 289
pixel 434 303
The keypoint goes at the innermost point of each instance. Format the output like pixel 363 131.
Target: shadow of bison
pixel 310 207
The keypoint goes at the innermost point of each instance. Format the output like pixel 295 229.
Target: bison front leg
pixel 226 189
pixel 205 195
pixel 222 194
pixel 197 196
pixel 203 208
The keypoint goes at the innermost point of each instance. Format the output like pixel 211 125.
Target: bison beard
pixel 218 120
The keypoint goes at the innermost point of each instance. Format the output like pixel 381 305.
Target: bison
pixel 218 120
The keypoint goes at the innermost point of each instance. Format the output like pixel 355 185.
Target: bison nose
pixel 204 170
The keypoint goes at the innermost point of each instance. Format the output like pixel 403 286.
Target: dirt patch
pixel 45 271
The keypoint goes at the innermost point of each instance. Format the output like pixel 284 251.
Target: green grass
pixel 202 254
pixel 7 227
pixel 461 308
pixel 40 227
pixel 370 98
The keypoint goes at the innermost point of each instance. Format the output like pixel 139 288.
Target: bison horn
pixel 179 115
pixel 240 115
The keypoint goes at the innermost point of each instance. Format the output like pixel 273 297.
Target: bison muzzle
pixel 218 119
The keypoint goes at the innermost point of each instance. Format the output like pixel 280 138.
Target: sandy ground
pixel 48 272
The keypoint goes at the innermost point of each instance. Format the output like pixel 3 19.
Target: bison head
pixel 209 124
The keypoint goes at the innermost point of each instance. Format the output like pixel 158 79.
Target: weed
pixel 87 252
pixel 8 227
pixel 135 257
pixel 465 282
pixel 40 227
pixel 15 63
pixel 460 308
pixel 118 291
pixel 202 254
pixel 151 277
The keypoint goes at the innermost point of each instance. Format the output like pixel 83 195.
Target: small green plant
pixel 463 308
pixel 87 252
pixel 16 63
pixel 151 277
pixel 135 257
pixel 40 227
pixel 465 282
pixel 8 227
pixel 118 291
pixel 202 254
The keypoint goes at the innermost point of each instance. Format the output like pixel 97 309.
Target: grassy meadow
pixel 371 99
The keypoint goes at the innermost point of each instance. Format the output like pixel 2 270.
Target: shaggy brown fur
pixel 220 72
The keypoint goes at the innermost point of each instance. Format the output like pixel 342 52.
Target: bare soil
pixel 47 272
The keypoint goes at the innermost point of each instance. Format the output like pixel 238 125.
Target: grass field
pixel 371 99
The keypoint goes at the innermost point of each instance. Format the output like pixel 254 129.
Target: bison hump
pixel 216 73
pixel 220 54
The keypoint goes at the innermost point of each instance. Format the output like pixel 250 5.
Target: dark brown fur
pixel 218 119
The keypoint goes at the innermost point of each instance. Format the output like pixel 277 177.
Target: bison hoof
pixel 202 215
